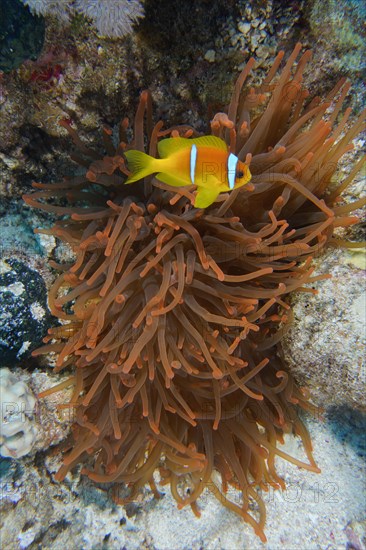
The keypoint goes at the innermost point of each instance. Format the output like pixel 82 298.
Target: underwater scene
pixel 182 275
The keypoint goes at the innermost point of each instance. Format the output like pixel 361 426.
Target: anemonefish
pixel 204 162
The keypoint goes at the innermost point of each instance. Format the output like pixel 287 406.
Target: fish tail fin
pixel 140 164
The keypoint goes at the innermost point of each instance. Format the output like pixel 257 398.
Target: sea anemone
pixel 171 316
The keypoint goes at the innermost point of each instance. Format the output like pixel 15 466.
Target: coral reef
pixel 324 347
pixel 17 423
pixel 345 31
pixel 99 77
pixel 30 426
pixel 24 314
pixel 172 315
pixel 21 35
pixel 54 8
pixel 112 19
pixel 188 57
pixel 315 510
pixel 356 534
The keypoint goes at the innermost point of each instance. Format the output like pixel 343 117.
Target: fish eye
pixel 239 174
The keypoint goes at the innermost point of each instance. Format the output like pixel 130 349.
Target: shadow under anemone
pixel 172 315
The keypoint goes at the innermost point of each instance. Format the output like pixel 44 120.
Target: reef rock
pixel 325 347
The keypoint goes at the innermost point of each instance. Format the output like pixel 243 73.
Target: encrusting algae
pixel 172 315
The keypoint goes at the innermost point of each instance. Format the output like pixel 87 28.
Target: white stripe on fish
pixel 193 161
pixel 232 161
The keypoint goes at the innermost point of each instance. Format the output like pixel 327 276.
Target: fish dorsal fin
pixel 210 141
pixel 169 146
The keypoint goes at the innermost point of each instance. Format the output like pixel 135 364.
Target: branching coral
pixel 172 315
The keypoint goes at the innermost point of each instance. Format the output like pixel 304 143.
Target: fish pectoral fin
pixel 205 197
pixel 172 180
pixel 140 164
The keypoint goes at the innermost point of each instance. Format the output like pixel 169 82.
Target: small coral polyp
pixel 172 315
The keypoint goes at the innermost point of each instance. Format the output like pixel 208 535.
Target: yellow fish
pixel 204 162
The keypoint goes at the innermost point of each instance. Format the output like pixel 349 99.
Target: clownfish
pixel 205 162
